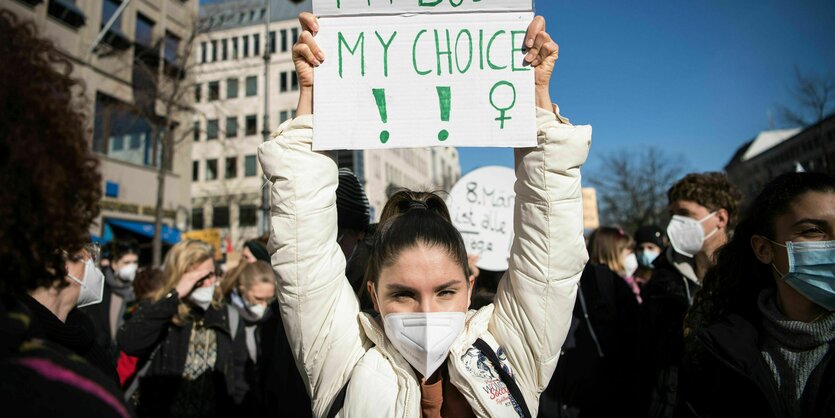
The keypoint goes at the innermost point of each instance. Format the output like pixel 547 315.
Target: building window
pixel 272 42
pixel 231 167
pixel 211 170
pixel 251 85
pixel 203 52
pixel 195 133
pixel 172 48
pixel 284 43
pixel 232 127
pixel 144 31
pixel 283 82
pixel 250 166
pixel 116 124
pixel 256 44
pixel 214 90
pixel 293 114
pixel 245 45
pixel 294 84
pixel 224 44
pixel 282 117
pixel 214 51
pixel 66 11
pixel 212 129
pixel 198 90
pixel 235 48
pixel 251 125
pixel 231 88
pixel 197 221
pixel 220 217
pixel 295 35
pixel 195 170
pixel 248 215
pixel 108 8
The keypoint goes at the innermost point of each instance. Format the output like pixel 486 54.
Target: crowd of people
pixel 725 311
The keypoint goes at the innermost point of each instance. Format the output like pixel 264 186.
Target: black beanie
pixel 651 234
pixel 258 250
pixel 351 203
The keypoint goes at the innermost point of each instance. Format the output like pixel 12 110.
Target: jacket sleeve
pixel 140 334
pixel 535 299
pixel 318 306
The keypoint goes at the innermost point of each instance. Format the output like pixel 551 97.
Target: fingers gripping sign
pixel 393 78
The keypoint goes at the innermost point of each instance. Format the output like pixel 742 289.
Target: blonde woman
pixel 186 335
pixel 251 290
pixel 613 248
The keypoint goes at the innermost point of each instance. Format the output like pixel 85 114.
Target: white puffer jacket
pixel 334 343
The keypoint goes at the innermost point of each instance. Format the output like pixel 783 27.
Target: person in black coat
pixel 704 208
pixel 197 353
pixel 250 288
pixel 597 371
pixel 118 294
pixel 760 334
pixel 49 363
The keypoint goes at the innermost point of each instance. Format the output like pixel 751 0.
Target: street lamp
pixel 263 228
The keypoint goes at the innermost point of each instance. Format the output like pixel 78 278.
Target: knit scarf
pixel 793 349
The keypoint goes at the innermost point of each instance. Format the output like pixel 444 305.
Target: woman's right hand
pixel 187 282
pixel 306 56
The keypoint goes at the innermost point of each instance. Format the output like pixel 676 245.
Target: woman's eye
pixel 401 295
pixel 812 231
pixel 446 293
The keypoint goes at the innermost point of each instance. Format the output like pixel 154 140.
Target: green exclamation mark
pixel 380 98
pixel 445 99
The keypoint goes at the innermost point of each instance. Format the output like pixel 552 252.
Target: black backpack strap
pixel 507 379
pixel 339 402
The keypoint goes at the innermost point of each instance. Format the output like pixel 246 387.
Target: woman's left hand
pixel 542 55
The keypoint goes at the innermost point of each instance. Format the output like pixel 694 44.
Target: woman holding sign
pixel 426 354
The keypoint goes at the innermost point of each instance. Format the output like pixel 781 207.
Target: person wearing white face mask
pixel 704 208
pixel 118 293
pixel 56 319
pixel 597 361
pixel 761 332
pixel 250 288
pixel 189 339
pixel 426 354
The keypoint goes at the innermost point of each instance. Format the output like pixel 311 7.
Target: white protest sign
pixel 481 207
pixel 403 74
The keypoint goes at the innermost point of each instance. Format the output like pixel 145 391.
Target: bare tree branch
pixel 633 186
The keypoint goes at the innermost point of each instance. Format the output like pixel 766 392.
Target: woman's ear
pixel 762 249
pixel 373 295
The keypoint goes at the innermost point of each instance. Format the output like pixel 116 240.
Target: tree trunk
pixel 157 243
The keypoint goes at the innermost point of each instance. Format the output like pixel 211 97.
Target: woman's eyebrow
pixel 816 222
pixel 446 285
pixel 394 287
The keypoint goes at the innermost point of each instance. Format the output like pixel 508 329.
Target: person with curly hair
pixel 704 209
pixel 760 334
pixel 50 194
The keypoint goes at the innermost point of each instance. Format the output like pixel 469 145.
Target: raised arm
pixel 535 298
pixel 318 305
